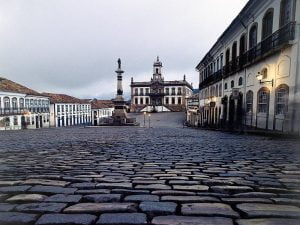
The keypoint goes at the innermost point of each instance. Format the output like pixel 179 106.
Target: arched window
pixel 240 81
pixel 14 102
pixel 232 84
pixel 263 100
pixel 242 44
pixel 227 57
pixel 264 73
pixel 253 36
pixel 282 96
pixel 6 103
pixel 220 90
pixel 21 103
pixel 285 12
pixel 225 86
pixel 234 51
pixel 249 102
pixel 267 27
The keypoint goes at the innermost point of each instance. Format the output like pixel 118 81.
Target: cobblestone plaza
pixel 162 175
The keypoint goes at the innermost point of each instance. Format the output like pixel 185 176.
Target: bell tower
pixel 157 70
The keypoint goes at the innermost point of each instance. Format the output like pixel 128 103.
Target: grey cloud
pixel 72 46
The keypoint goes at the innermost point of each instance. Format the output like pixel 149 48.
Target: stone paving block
pixel 101 208
pixel 189 198
pixel 77 179
pixel 64 198
pixel 287 201
pixel 173 192
pixel 191 187
pixel 158 208
pixel 5 207
pixel 140 198
pixel 114 185
pixel 67 219
pixel 153 187
pixel 84 185
pixel 190 220
pixel 122 218
pixel 255 195
pixel 14 189
pixel 208 209
pixel 102 198
pixel 9 182
pixel 44 176
pixel 268 221
pixel 231 189
pixel 268 210
pixel 130 191
pixel 27 198
pixel 52 190
pixel 148 182
pixel 17 218
pixel 246 200
pixel 41 207
pixel 93 191
pixel 184 182
pixel 59 183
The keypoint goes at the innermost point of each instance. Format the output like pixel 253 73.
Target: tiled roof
pixel 100 104
pixel 62 98
pixel 10 86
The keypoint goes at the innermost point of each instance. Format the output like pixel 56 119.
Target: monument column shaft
pixel 119 85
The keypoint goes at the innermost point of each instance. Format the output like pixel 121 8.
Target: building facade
pixel 101 109
pixel 21 107
pixel 250 77
pixel 66 110
pixel 159 95
pixel 192 117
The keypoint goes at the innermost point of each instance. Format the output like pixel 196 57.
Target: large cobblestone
pixel 109 175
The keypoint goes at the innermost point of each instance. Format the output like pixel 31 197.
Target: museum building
pixel 158 95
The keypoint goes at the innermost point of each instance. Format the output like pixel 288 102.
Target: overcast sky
pixel 72 46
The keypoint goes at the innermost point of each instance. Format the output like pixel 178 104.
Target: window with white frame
pixel 263 100
pixel 282 95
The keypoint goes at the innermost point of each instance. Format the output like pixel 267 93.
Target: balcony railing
pixel 12 111
pixel 215 77
pixel 269 45
pixel 156 94
pixel 20 111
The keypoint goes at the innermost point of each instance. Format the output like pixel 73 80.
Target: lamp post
pixel 145 119
pixel 149 115
pixel 259 77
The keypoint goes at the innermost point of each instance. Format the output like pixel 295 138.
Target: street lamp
pixel 145 119
pixel 149 119
pixel 259 77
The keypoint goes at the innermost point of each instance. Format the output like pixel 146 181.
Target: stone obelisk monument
pixel 120 115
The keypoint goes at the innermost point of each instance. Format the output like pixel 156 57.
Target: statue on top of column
pixel 119 63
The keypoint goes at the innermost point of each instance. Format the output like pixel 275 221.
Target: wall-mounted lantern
pixel 259 77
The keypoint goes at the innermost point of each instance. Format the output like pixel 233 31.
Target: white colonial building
pixel 159 95
pixel 66 110
pixel 101 109
pixel 251 74
pixel 21 107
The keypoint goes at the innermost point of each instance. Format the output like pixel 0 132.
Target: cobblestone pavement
pixel 147 176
